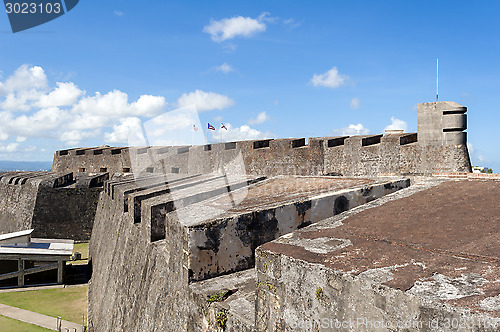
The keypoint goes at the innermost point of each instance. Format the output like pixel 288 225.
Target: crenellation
pixel 408 139
pixel 371 140
pixel 297 143
pixel 261 144
pixel 230 146
pixel 336 141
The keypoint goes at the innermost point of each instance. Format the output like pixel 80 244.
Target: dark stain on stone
pixel 366 191
pixel 341 205
pixel 389 186
pixel 255 229
pixel 302 208
pixel 213 234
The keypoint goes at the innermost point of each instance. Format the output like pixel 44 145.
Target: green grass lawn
pixel 9 324
pixel 69 303
pixel 84 249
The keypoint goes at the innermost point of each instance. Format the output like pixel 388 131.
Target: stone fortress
pixel 366 233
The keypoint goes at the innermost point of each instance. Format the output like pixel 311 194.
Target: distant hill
pixel 25 166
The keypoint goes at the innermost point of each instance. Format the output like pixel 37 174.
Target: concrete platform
pixel 428 255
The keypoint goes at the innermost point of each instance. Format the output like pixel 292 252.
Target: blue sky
pixel 266 68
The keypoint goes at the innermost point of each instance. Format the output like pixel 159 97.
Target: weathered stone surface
pixel 349 156
pixel 55 205
pixel 422 256
pixel 126 259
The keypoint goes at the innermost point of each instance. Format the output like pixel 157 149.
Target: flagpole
pixel 437 80
pixel 206 134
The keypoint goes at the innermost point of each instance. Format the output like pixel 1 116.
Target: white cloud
pixel 261 118
pixel 65 94
pixel 397 124
pixel 218 118
pixel 175 128
pixel 41 124
pixel 74 137
pixel 25 78
pixel 205 101
pixel 115 104
pixel 225 68
pixel 9 147
pixel 148 105
pixel 352 130
pixel 23 87
pixel 124 130
pixel 242 133
pixel 238 26
pixel 355 103
pixel 63 112
pixel 118 13
pixel 330 79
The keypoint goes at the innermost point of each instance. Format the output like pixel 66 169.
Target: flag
pixel 211 127
pixel 222 126
pixel 194 128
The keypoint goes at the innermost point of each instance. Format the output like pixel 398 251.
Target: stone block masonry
pixel 55 205
pixel 193 229
pixel 348 156
pixel 439 146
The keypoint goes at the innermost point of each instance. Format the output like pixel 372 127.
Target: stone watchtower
pixel 442 139
pixel 442 123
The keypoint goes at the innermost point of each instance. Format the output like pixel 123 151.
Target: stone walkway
pixel 37 319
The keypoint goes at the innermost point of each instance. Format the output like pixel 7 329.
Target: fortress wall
pixel 141 283
pixel 153 293
pixel 292 156
pixel 261 157
pixel 425 160
pixel 299 295
pixel 65 213
pixel 439 147
pixel 92 160
pixel 227 243
pixel 362 155
pixel 53 204
pixel 347 156
pixel 17 199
